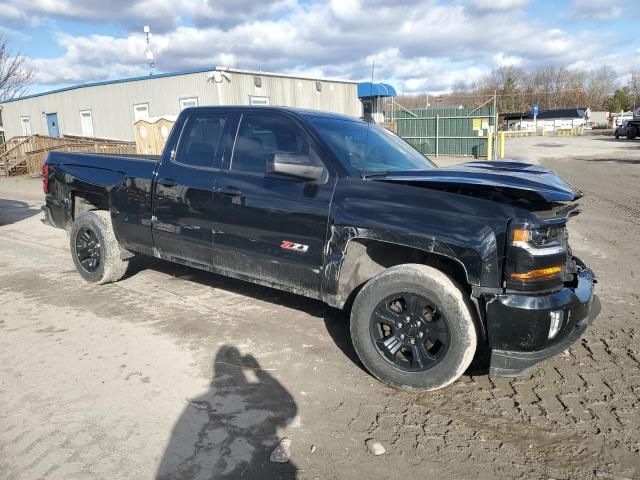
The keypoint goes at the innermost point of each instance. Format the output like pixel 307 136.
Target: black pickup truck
pixel 432 264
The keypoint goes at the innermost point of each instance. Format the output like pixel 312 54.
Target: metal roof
pixel 368 89
pixel 578 112
pixel 173 74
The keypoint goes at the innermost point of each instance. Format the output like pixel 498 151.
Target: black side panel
pixel 273 229
pixel 183 204
pixel 122 184
pixel 468 230
pixel 131 213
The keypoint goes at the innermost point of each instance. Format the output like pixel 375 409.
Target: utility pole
pixel 148 52
pixel 495 124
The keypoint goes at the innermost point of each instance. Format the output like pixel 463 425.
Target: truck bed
pixel 120 183
pixel 121 163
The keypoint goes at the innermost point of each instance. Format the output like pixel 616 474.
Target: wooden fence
pixel 25 155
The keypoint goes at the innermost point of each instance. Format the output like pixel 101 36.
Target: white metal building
pixel 599 119
pixel 547 120
pixel 108 109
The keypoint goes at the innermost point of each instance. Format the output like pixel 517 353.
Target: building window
pixel 86 122
pixel 141 111
pixel 188 102
pixel 25 122
pixel 253 100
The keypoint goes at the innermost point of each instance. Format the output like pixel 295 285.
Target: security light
pixel 218 76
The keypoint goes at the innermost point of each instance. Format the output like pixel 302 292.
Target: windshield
pixel 365 148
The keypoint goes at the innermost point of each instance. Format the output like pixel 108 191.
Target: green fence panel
pixel 446 131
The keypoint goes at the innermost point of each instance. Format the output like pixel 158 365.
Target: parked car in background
pixel 432 264
pixel 630 129
pixel 621 130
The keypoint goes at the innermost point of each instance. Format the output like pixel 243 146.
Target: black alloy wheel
pixel 410 332
pixel 88 249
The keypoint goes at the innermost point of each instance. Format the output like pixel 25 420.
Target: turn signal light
pixel 540 273
pixel 521 235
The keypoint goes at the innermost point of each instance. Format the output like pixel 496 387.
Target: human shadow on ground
pixel 12 211
pixel 229 431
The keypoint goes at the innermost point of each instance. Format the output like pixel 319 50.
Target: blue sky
pixel 418 45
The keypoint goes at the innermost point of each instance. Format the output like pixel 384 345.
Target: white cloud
pixel 500 59
pixel 417 45
pixel 597 9
pixel 493 5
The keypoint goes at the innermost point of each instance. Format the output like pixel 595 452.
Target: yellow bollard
pixel 489 146
pixel 501 145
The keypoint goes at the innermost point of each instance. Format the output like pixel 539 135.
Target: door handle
pixel 229 191
pixel 167 182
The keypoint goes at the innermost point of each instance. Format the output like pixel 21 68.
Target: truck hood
pixel 516 177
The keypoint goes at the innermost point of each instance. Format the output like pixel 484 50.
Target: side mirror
pixel 296 165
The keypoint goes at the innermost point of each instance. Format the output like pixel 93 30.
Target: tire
pixel 443 300
pixel 617 135
pixel 103 264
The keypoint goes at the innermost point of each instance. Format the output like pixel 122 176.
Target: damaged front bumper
pixel 519 325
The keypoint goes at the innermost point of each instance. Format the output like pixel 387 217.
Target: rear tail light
pixel 45 177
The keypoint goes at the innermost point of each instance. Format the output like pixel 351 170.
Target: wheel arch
pixel 86 200
pixel 365 258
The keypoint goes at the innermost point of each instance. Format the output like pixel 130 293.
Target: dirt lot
pixel 176 373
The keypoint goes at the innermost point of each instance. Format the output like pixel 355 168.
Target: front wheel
pixel 94 248
pixel 412 327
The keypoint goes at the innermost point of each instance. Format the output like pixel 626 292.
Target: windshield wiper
pixel 366 176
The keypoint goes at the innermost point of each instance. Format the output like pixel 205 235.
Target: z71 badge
pixel 298 247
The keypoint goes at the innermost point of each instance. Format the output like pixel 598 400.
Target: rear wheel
pixel 94 248
pixel 413 328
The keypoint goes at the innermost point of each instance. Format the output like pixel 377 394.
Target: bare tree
pixel 634 87
pixel 549 87
pixel 15 74
pixel 599 86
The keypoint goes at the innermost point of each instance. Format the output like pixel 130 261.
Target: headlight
pixel 541 241
pixel 536 257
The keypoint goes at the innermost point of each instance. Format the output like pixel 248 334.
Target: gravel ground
pixel 179 374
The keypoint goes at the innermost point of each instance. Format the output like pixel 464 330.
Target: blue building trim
pixel 113 82
pixel 368 89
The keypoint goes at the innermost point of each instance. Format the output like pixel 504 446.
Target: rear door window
pixel 201 140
